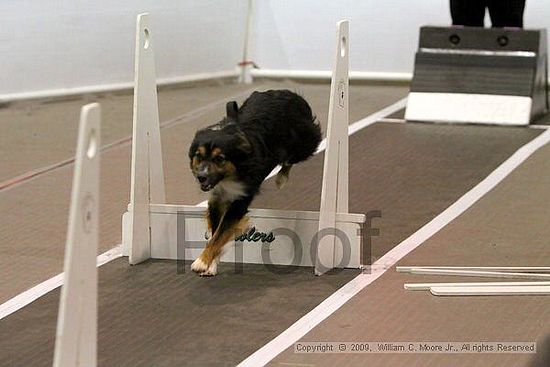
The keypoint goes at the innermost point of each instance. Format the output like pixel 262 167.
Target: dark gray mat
pixel 150 316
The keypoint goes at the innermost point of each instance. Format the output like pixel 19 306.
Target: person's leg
pixel 469 13
pixel 506 13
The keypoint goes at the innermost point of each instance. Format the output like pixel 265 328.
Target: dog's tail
pixel 316 135
pixel 310 138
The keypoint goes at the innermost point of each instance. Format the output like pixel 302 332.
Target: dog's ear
pixel 193 149
pixel 243 143
pixel 232 110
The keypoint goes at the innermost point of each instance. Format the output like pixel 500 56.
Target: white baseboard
pixel 61 92
pixel 267 73
pixel 326 74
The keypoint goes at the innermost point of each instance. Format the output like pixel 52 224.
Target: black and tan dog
pixel 232 158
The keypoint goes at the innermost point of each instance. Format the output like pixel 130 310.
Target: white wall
pixel 58 44
pixel 49 45
pixel 300 35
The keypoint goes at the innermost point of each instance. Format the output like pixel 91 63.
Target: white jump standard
pixel 154 229
pixel 76 337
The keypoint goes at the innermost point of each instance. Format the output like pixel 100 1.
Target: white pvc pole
pixel 245 75
pixel 540 290
pixel 76 337
pixel 427 286
pixel 485 274
pixel 516 269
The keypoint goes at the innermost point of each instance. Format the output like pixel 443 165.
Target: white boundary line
pixel 301 327
pixel 375 117
pixel 30 295
pixel 393 120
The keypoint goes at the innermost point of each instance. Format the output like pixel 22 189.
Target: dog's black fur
pixel 233 157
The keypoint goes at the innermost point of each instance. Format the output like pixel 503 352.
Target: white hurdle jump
pixel 76 337
pixel 151 227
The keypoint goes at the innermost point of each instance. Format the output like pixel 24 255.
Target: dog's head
pixel 217 150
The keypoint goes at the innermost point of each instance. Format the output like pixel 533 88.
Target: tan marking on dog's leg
pixel 282 175
pixel 207 263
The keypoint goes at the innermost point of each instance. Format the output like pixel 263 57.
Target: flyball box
pixel 479 75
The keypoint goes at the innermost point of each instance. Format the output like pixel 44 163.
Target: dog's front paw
pixel 199 265
pixel 211 271
pixel 204 268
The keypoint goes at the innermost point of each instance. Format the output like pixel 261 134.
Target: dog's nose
pixel 201 178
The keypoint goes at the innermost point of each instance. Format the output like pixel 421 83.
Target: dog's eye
pixel 198 156
pixel 219 159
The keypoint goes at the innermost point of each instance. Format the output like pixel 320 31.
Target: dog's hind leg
pixel 282 175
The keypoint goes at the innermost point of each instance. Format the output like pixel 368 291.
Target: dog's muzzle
pixel 204 182
pixel 208 181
